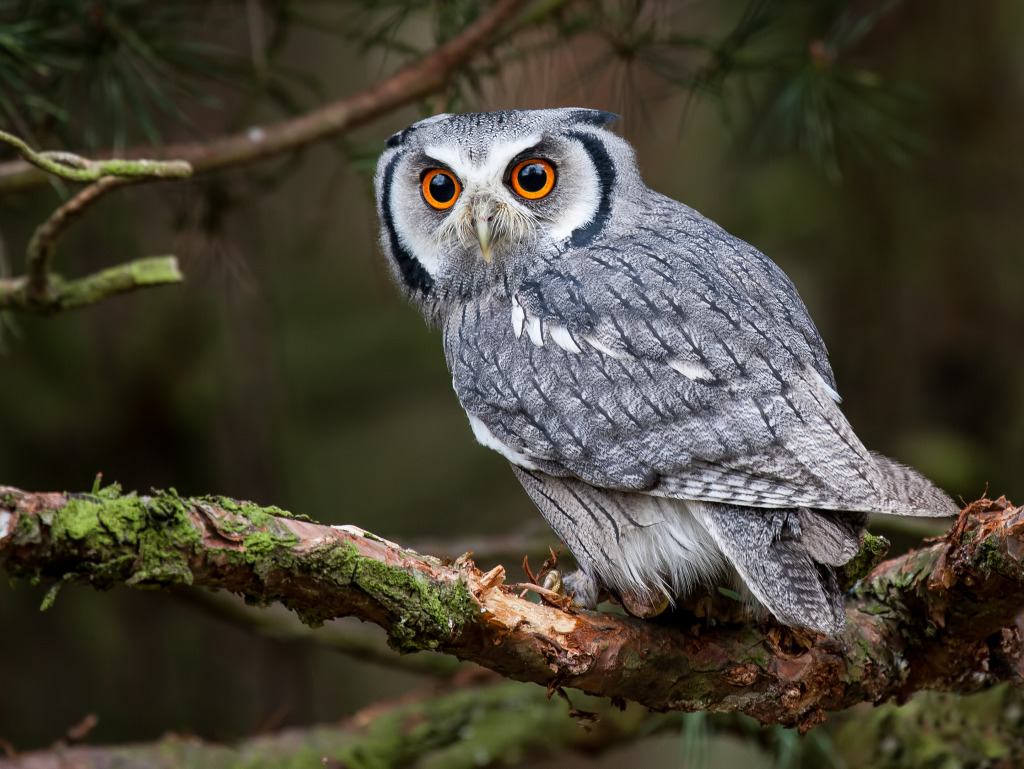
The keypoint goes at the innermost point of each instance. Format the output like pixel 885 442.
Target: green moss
pixel 79 520
pixel 256 514
pixel 757 656
pixel 258 517
pixel 338 561
pixel 149 541
pixel 123 538
pixel 161 561
pixel 51 596
pixel 872 550
pixel 28 531
pixel 260 544
pixel 992 558
pixel 113 491
pixel 428 612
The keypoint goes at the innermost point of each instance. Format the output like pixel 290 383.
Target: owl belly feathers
pixel 656 383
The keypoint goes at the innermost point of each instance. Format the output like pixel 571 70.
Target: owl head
pixel 467 203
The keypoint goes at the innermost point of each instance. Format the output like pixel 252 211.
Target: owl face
pixel 465 200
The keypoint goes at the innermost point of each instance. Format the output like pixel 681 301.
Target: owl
pixel 656 383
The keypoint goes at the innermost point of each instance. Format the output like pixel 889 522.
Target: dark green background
pixel 287 371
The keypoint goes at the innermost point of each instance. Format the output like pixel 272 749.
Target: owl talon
pixel 552 580
pixel 585 590
pixel 644 605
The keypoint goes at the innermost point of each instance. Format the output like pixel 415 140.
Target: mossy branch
pixel 39 290
pixel 942 617
pixel 75 168
pixel 482 720
pixel 60 294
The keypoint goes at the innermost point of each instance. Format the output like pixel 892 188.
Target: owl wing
pixel 681 363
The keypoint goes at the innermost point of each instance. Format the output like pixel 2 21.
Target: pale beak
pixel 483 234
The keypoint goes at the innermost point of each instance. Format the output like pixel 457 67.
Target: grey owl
pixel 656 383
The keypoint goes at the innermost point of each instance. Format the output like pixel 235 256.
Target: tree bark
pixel 943 617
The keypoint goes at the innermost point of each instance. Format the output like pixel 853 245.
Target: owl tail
pixel 907 492
pixel 784 557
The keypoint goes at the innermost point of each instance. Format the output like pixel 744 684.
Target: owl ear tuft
pixel 596 117
pixel 396 139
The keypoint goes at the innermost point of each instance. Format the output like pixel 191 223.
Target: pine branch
pixel 942 617
pixel 415 81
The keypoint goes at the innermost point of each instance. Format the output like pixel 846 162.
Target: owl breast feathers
pixel 656 383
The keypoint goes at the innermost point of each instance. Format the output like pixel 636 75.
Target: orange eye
pixel 533 179
pixel 440 188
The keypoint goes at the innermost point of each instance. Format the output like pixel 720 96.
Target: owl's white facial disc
pixel 444 246
pixel 485 203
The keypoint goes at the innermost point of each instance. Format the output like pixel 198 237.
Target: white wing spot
pixel 486 438
pixel 518 318
pixel 562 337
pixel 831 393
pixel 535 328
pixel 691 370
pixel 600 346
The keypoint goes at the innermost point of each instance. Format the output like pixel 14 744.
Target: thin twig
pixel 44 241
pixel 61 295
pixel 40 290
pixel 75 168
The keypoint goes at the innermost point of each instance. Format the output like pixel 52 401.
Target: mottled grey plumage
pixel 657 383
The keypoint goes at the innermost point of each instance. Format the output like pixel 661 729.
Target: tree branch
pixel 42 291
pixel 148 272
pixel 943 617
pixel 76 168
pixel 500 723
pixel 415 81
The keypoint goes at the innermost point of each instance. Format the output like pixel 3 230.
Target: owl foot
pixel 584 591
pixel 546 584
pixel 644 605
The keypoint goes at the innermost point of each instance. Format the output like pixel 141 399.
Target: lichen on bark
pixel 943 617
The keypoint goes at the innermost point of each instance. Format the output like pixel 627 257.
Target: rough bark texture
pixel 943 617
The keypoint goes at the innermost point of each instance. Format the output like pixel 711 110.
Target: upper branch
pixel 419 79
pixel 941 617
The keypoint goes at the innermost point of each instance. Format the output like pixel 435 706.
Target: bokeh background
pixel 287 371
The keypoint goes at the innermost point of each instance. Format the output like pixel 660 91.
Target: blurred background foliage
pixel 872 148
